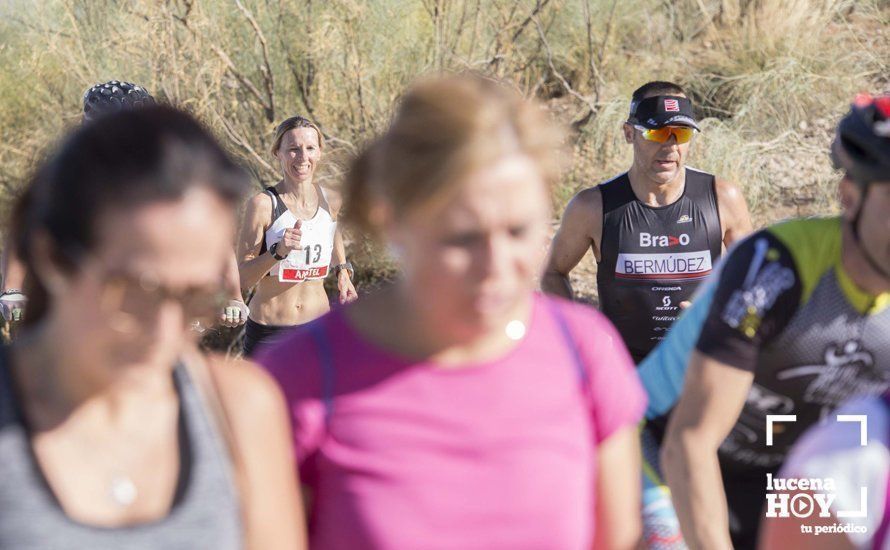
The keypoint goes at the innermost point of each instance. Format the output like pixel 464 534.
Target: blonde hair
pixel 291 123
pixel 444 128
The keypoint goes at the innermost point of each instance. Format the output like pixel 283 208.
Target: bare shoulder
pixel 585 212
pixel 259 205
pixel 727 190
pixel 586 205
pixel 730 199
pixel 733 211
pixel 246 390
pixel 590 198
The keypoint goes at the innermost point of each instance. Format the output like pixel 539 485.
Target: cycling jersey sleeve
pixel 757 294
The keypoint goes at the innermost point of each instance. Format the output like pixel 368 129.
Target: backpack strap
pixel 278 208
pixel 569 340
pixel 326 363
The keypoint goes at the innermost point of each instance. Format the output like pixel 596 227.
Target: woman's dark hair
pixel 123 160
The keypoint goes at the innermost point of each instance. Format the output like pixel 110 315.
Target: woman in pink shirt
pixel 456 408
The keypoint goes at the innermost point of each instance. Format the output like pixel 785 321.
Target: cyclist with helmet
pixel 794 323
pixel 656 230
pixel 99 100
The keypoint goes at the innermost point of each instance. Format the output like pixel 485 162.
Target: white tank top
pixel 313 259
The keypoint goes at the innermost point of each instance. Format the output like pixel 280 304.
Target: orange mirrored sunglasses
pixel 661 135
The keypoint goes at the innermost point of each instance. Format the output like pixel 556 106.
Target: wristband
pixel 274 251
pixel 347 266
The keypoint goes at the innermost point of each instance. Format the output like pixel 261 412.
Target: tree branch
pixel 541 4
pixel 591 105
pixel 244 144
pixel 266 68
pixel 227 61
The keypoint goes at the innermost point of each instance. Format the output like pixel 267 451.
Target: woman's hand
pixel 234 314
pixel 291 240
pixel 347 290
pixel 12 305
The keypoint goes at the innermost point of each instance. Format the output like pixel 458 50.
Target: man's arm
pixel 757 293
pixel 13 269
pixel 713 397
pixel 734 216
pixel 581 228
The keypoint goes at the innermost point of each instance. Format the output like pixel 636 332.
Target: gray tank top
pixel 205 512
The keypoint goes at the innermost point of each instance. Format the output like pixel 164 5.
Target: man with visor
pixel 656 230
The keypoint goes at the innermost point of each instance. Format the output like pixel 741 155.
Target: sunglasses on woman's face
pixel 135 300
pixel 661 135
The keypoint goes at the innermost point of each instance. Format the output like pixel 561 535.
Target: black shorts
pixel 745 499
pixel 256 334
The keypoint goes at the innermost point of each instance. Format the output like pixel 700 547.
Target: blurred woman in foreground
pixel 456 408
pixel 114 431
pixel 99 100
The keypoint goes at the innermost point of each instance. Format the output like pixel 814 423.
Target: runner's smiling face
pixel 472 259
pixel 299 153
pixel 129 298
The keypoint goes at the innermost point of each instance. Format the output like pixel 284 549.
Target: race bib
pixel 313 259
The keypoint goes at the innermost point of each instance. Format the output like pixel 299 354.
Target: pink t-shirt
pixel 401 454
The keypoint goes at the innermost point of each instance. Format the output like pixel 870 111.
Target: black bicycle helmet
pixel 861 146
pixel 112 96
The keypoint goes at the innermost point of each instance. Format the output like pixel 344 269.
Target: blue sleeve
pixel 664 369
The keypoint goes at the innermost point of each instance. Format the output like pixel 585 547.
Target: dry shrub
pixel 769 77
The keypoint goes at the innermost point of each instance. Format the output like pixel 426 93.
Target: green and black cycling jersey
pixel 783 308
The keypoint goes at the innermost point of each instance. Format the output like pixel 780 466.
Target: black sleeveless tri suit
pixel 653 258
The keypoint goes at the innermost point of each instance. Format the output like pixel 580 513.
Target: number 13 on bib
pixel 313 259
